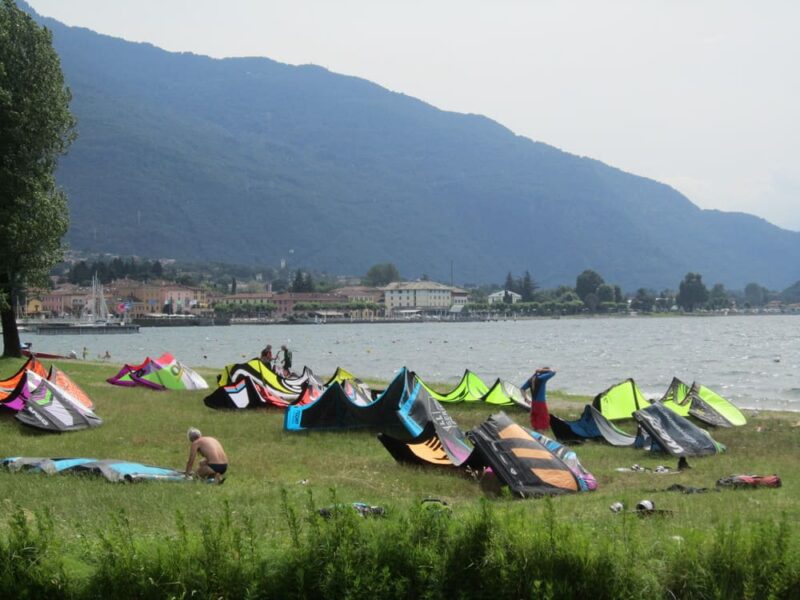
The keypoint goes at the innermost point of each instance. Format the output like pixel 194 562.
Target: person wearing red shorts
pixel 540 417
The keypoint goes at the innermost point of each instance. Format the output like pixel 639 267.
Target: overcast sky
pixel 702 95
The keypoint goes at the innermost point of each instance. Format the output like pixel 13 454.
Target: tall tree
pixel 510 283
pixel 692 292
pixel 80 273
pixel 587 283
pixel 605 293
pixel 718 297
pixel 297 284
pixel 302 282
pixel 381 274
pixel 644 300
pixel 528 287
pixel 754 294
pixel 36 127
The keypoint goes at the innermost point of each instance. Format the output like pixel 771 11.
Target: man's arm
pixel 192 454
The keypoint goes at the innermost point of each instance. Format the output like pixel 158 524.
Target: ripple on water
pixel 589 354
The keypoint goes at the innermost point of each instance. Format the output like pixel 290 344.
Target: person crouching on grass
pixel 215 461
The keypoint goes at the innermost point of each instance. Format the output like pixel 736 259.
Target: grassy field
pixel 277 477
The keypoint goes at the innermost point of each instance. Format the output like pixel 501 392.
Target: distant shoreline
pixel 235 322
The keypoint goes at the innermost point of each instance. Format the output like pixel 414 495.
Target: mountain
pixel 248 160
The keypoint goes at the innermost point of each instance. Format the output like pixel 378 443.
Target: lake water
pixel 752 360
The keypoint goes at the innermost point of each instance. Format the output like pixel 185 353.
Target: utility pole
pixel 451 273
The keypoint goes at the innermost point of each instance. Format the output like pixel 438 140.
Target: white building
pixel 500 296
pixel 421 295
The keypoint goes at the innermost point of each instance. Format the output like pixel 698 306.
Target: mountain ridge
pixel 245 159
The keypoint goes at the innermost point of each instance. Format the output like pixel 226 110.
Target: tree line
pixel 591 293
pixel 82 272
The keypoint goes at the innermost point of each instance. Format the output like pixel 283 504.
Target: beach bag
pixel 749 481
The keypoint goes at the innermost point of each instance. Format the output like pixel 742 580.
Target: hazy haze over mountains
pixel 251 161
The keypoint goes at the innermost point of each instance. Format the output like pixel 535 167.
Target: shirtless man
pixel 214 463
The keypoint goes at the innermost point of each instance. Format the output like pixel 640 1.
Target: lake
pixel 751 360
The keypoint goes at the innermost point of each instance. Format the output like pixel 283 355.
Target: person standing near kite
pixel 267 356
pixel 287 360
pixel 540 417
pixel 215 461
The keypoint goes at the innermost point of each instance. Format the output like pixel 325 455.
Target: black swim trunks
pixel 218 468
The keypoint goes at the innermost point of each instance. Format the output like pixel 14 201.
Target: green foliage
pixel 587 283
pixel 791 295
pixel 643 301
pixel 81 272
pixel 692 292
pixel 36 127
pixel 302 282
pixel 487 551
pixel 243 159
pixel 30 565
pixel 525 286
pixel 381 274
pixel 260 535
pixel 755 295
pixel 718 297
pixel 605 293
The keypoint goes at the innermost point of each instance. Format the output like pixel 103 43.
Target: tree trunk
pixel 11 345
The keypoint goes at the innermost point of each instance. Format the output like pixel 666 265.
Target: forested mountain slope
pixel 242 160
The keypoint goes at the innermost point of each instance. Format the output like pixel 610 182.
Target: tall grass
pixel 260 534
pixel 414 554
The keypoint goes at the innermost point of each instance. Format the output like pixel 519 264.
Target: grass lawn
pixel 271 469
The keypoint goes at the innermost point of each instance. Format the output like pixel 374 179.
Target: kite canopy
pixel 586 480
pixel 287 389
pixel 7 385
pixel 620 401
pixel 707 405
pixel 125 375
pixel 528 462
pixel 166 373
pixel 429 448
pixel 51 466
pixel 674 434
pixel 358 391
pixel 243 394
pixel 339 376
pixel 471 388
pixel 334 409
pixel 252 368
pixel 58 377
pixel 701 403
pixel 48 407
pixel 521 461
pixel 257 386
pixel 505 393
pixel 15 400
pixel 676 398
pixel 437 438
pixel 591 425
pixel 112 470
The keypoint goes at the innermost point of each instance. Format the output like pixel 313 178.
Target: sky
pixel 700 95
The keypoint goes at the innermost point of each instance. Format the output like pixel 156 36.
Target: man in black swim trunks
pixel 215 461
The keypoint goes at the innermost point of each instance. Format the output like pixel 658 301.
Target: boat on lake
pixel 95 319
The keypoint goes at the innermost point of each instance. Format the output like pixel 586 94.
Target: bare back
pixel 210 449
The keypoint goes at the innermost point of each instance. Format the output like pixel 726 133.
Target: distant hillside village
pixel 255 300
